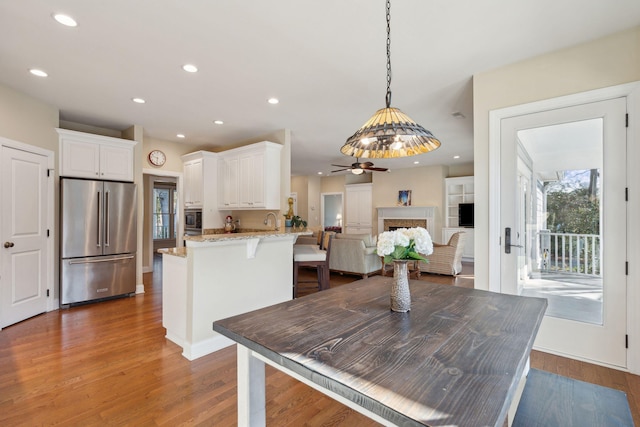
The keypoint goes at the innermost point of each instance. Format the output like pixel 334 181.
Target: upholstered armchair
pixel 445 259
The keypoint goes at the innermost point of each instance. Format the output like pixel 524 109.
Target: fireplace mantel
pixel 407 212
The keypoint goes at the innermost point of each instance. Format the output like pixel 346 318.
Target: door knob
pixel 507 241
pixel 8 245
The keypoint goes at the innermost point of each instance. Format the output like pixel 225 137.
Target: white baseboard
pixel 174 339
pixel 147 269
pixel 140 288
pixel 208 346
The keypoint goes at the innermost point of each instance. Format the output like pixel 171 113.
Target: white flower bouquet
pixel 404 243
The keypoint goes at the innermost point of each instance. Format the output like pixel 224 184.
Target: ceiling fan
pixel 358 168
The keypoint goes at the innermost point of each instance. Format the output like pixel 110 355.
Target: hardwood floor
pixel 109 364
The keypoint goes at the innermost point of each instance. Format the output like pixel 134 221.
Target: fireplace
pixel 394 224
pixel 406 217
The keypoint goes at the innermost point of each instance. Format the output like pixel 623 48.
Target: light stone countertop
pixel 221 237
pixel 247 235
pixel 179 252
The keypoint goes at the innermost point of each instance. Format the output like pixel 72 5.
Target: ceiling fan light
pixel 357 171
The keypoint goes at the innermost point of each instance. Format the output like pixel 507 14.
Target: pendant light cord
pixel 388 96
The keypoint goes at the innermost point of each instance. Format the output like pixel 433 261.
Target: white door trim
pixel 148 207
pixel 52 280
pixel 632 92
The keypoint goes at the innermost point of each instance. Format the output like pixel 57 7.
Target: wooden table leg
pixel 251 391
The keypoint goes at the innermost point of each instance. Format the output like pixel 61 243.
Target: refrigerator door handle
pixel 106 220
pixel 93 261
pixel 98 228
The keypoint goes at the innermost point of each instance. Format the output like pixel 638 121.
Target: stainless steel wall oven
pixel 193 221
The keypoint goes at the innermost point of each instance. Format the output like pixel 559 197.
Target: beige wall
pixel 173 151
pixel 300 185
pixel 605 62
pixel 426 184
pixel 313 201
pixel 308 191
pixel 427 189
pixel 464 169
pixel 30 121
pixel 332 184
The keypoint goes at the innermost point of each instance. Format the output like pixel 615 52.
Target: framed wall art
pixel 404 198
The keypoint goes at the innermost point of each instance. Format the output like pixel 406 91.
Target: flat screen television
pixel 465 215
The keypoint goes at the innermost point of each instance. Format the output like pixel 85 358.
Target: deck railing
pixel 574 253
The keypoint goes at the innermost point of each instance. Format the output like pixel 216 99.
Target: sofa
pixel 445 259
pixel 354 254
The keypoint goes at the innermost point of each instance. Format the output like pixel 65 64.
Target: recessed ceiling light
pixel 218 122
pixel 65 20
pixel 180 135
pixel 273 101
pixel 189 68
pixel 38 73
pixel 319 173
pixel 416 162
pixel 456 157
pixel 138 100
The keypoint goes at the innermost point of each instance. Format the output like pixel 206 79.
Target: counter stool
pixel 311 256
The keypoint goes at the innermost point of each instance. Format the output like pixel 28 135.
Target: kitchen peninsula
pixel 221 275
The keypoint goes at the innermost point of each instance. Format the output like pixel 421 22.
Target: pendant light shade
pixel 389 133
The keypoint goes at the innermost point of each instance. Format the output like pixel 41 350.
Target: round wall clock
pixel 157 158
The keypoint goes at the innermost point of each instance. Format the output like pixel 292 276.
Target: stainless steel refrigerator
pixel 98 239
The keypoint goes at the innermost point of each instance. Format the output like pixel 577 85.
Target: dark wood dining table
pixel 458 358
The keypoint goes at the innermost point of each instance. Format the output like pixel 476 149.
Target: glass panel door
pixel 165 220
pixel 563 222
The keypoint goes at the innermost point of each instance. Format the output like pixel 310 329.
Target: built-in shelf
pixel 457 190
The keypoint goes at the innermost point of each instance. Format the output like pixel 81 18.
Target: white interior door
pixel 23 273
pixel 548 158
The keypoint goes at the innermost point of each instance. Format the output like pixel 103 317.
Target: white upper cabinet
pixel 85 155
pixel 249 177
pixel 199 189
pixel 193 183
pixel 228 183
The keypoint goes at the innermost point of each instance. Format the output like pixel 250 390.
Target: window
pixel 165 206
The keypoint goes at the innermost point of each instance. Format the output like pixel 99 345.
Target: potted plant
pixel 297 222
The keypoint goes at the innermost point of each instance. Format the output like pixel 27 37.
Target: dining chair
pixel 311 256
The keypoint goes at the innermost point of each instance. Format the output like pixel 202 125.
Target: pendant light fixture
pixel 389 133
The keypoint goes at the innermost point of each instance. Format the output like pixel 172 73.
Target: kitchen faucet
pixel 275 219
